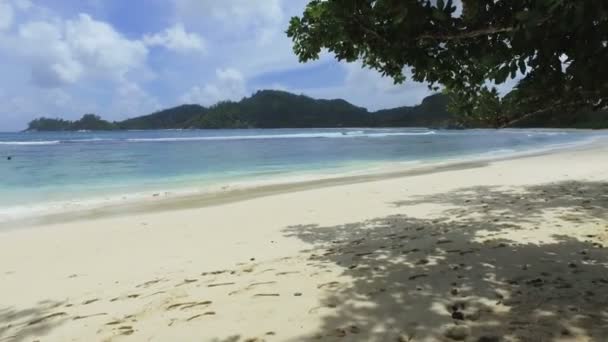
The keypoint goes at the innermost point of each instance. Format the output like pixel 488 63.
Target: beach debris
pixel 267 295
pixel 297 294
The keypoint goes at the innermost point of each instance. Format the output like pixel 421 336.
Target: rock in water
pixel 457 332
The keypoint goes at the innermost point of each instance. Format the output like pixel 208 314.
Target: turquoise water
pixel 46 167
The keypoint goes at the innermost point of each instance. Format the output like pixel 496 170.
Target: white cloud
pixel 99 47
pixel 64 52
pixel 6 15
pixel 177 39
pixel 131 100
pixel 368 88
pixel 234 14
pixel 228 85
pixel 50 56
pixel 244 33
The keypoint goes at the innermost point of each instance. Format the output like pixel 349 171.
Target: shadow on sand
pixel 29 323
pixel 467 274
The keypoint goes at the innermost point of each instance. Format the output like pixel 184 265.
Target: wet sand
pixel 510 250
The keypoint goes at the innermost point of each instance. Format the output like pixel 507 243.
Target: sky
pixel 120 59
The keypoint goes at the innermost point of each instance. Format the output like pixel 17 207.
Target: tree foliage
pixel 267 109
pixel 166 119
pixel 560 46
pixel 279 109
pixel 88 122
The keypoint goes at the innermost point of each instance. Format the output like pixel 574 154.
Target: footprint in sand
pixel 330 284
pixel 266 270
pixel 220 284
pixel 252 286
pixel 77 318
pixel 46 318
pixel 208 313
pixel 188 305
pixel 186 282
pixel 90 301
pixel 149 283
pixel 126 330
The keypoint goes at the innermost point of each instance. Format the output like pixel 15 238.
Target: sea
pixel 46 172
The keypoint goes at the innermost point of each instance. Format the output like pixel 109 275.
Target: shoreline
pixel 228 192
pixel 515 248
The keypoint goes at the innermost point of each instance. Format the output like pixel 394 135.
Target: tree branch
pixel 546 109
pixel 467 34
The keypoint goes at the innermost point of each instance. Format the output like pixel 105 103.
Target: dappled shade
pixel 463 275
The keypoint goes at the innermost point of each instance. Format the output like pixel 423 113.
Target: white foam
pixel 350 134
pixel 49 142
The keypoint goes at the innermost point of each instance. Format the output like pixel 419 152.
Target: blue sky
pixel 117 58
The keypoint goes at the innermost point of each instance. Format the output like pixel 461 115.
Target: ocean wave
pixel 86 140
pixel 330 135
pixel 381 135
pixel 49 142
pixel 351 134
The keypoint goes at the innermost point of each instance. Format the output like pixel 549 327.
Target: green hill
pixel 88 122
pixel 280 109
pixel 431 112
pixel 166 119
pixel 266 109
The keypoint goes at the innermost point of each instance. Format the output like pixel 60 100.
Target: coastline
pixel 187 197
pixel 512 244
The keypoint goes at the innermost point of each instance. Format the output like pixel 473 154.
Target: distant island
pixel 280 109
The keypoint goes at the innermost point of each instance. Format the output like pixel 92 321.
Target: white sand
pixel 513 247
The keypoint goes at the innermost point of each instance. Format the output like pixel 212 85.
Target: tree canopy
pixel 559 46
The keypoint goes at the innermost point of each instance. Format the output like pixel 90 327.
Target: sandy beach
pixel 509 250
